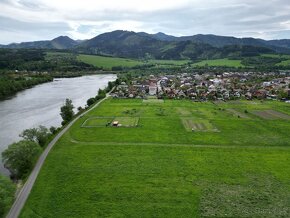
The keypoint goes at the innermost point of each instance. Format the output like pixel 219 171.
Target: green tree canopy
pixel 20 157
pixel 66 111
pixel 39 135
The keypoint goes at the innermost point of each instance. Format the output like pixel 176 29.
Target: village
pixel 208 86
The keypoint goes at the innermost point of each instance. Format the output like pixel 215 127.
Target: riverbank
pixel 24 193
pixel 41 104
pixel 13 82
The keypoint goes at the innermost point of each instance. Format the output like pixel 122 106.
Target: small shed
pixel 115 123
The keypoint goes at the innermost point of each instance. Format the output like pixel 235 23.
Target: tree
pixel 282 94
pixel 52 130
pixel 39 135
pixel 91 101
pixel 20 157
pixel 66 111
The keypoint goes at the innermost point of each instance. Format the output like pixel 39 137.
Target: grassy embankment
pixel 234 163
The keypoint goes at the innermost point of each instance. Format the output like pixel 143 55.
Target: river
pixel 41 104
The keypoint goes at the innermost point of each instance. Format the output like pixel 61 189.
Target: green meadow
pixel 219 63
pixel 108 62
pixel 169 62
pixel 173 158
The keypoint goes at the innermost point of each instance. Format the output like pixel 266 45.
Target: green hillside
pixel 233 164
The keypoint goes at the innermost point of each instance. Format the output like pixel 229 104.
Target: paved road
pixel 25 191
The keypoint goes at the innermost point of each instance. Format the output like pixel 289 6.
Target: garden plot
pixel 97 122
pixel 182 111
pixel 158 101
pixel 237 113
pixel 126 121
pixel 192 125
pixel 271 115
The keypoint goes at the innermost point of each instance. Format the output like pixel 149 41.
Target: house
pixel 152 89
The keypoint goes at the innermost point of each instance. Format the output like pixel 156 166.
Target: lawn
pixel 162 169
pixel 219 63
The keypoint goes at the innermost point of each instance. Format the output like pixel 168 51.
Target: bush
pixel 91 101
pixel 53 130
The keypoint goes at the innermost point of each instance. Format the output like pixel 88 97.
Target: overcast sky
pixel 30 20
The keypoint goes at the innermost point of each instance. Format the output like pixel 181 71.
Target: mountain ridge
pixel 160 45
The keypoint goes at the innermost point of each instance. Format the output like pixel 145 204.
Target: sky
pixel 31 20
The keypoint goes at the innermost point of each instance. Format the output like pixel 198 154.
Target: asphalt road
pixel 25 191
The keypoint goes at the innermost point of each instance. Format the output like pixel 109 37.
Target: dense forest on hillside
pixel 38 60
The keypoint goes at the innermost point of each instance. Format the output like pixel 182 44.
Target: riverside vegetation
pixel 20 157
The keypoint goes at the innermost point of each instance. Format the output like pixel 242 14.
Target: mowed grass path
pixel 241 171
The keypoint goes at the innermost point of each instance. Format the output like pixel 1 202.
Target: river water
pixel 41 104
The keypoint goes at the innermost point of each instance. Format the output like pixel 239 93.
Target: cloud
pixel 43 19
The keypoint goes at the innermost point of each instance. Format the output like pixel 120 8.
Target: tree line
pixel 9 85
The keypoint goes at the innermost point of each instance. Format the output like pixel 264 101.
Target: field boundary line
pixel 176 145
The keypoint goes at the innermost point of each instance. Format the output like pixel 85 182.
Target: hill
pixel 142 45
pixel 61 42
pixel 221 41
pixel 130 44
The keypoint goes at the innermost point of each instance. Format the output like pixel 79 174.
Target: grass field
pixel 169 62
pixel 108 62
pixel 284 63
pixel 219 63
pixel 162 169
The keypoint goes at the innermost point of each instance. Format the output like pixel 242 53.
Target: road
pixel 25 191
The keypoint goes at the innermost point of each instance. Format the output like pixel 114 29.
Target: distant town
pixel 208 86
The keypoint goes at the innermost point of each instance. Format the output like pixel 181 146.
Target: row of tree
pixel 102 92
pixel 20 157
pixel 10 85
